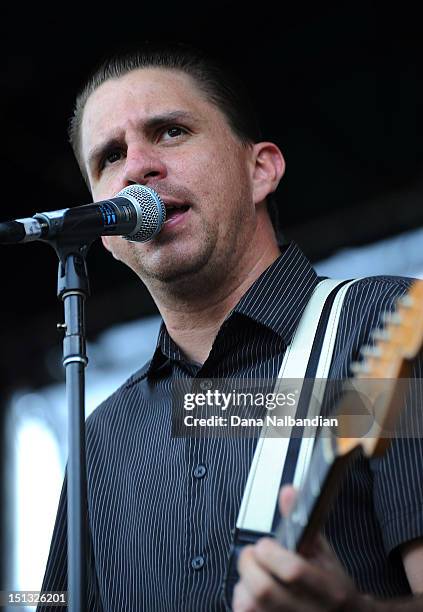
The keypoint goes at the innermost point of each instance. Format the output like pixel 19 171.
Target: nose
pixel 143 165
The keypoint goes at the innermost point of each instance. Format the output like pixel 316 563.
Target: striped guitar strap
pixel 282 460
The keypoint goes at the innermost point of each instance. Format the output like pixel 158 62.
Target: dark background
pixel 339 89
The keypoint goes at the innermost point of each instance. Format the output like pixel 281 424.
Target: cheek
pixel 202 159
pixel 231 169
pixel 118 247
pixel 104 189
pixel 106 240
pixel 215 173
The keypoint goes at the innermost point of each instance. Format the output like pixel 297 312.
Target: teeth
pixel 181 208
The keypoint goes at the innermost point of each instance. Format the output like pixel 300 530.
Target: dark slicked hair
pixel 219 85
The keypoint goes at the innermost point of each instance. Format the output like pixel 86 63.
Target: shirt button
pixel 200 471
pixel 197 563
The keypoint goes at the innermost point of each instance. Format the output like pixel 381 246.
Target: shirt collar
pixel 276 299
pixel 279 296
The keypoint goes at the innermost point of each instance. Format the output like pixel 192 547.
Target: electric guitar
pixel 387 362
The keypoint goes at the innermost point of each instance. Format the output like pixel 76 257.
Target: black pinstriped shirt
pixel 161 509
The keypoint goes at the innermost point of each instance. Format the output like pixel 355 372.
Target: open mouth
pixel 175 210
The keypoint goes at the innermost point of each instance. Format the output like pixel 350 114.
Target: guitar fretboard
pixel 315 495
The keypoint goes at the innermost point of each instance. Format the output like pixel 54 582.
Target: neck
pixel 193 319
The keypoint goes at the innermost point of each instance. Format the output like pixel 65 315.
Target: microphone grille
pixel 150 210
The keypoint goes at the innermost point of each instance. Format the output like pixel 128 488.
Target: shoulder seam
pixel 138 376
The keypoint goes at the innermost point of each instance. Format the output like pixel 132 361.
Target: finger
pixel 263 592
pixel 287 498
pixel 324 556
pixel 242 601
pixel 312 582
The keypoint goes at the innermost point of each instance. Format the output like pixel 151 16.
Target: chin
pixel 175 271
pixel 175 262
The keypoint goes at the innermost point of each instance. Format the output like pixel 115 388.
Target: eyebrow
pixel 148 126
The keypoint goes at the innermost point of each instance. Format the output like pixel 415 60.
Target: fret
pixel 292 527
pixel 315 495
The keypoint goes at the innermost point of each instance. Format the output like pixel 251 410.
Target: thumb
pixel 287 497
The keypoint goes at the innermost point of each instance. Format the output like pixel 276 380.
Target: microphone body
pixel 136 213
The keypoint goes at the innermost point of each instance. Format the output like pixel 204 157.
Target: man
pixel 161 509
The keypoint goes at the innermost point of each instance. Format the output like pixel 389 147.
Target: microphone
pixel 136 213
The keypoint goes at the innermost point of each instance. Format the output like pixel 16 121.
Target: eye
pixel 173 132
pixel 111 157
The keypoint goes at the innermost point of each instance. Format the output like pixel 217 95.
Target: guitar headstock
pixel 398 341
pixel 387 361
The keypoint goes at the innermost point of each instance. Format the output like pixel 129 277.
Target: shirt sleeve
pixel 398 475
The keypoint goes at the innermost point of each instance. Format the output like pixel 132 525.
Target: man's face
pixel 155 127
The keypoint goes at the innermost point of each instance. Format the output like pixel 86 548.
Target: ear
pixel 269 167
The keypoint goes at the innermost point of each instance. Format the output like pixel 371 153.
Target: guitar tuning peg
pixel 360 367
pixel 382 335
pixel 371 351
pixel 392 318
pixel 406 301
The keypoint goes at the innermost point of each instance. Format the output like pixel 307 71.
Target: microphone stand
pixel 73 289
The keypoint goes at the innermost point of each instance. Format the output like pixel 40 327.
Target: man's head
pixel 172 120
pixel 219 86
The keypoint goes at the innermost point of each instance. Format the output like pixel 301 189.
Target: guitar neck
pixel 388 358
pixel 297 531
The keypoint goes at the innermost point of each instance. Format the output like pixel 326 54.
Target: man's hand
pixel 273 578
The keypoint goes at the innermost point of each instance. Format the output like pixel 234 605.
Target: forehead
pixel 140 95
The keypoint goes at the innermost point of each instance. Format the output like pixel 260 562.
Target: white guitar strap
pixel 260 498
